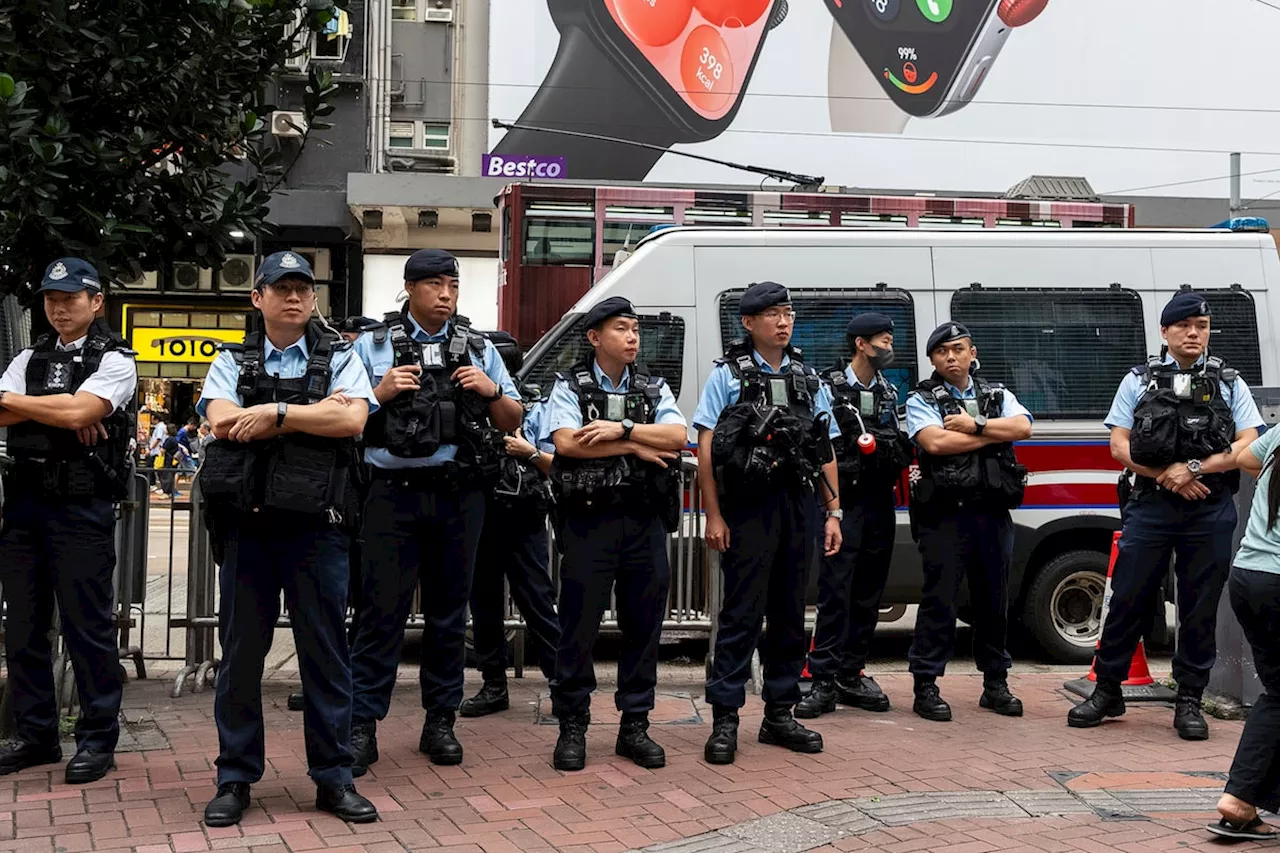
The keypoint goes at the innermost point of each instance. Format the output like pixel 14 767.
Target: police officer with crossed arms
pixel 1177 423
pixel 66 401
pixel 285 407
pixel 618 436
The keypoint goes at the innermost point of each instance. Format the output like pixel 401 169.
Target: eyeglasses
pixel 284 288
pixel 773 315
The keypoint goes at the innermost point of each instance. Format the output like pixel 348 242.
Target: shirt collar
pixel 422 336
pixel 74 345
pixel 1169 359
pixel 856 382
pixel 300 345
pixel 768 368
pixel 971 391
pixel 606 383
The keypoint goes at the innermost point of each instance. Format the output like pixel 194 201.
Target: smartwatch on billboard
pixel 929 56
pixel 655 71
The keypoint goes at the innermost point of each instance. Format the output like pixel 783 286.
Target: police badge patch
pixel 58 271
pixel 289 261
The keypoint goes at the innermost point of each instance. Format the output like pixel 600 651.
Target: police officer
pixel 969 479
pixel 618 437
pixel 1177 423
pixel 515 546
pixel 67 402
pixel 764 428
pixel 442 385
pixel 352 328
pixel 285 408
pixel 871 454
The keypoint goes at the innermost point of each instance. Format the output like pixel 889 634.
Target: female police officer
pixel 285 407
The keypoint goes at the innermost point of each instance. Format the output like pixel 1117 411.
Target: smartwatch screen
pixel 703 49
pixel 915 48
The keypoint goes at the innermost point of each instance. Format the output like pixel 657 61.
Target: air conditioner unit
pixel 439 16
pixel 190 277
pixel 288 123
pixel 319 260
pixel 141 281
pixel 236 275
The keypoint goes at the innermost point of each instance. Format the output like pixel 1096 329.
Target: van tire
pixel 1071 584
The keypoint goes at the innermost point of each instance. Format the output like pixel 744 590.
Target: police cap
pixel 357 324
pixel 945 334
pixel 277 266
pixel 426 263
pixel 509 348
pixel 614 306
pixel 868 325
pixel 763 295
pixel 71 275
pixel 1185 304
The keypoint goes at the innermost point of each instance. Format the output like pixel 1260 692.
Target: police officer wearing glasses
pixel 285 407
pixel 1177 423
pixel 969 479
pixel 443 388
pixel 67 403
pixel 618 437
pixel 767 470
pixel 871 454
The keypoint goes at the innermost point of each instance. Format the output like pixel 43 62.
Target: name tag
pixel 971 406
pixel 432 355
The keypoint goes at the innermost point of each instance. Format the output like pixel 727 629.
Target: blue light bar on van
pixel 1245 224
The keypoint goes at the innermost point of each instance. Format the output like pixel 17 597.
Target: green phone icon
pixel 935 10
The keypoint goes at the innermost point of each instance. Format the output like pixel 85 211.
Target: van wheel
pixel 1063 611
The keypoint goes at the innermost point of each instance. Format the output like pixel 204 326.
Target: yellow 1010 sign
pixel 188 346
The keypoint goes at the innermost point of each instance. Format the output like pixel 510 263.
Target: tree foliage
pixel 136 133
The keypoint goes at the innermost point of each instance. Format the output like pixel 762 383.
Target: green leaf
pixel 7 86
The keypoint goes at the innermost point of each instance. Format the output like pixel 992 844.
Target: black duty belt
pixel 448 474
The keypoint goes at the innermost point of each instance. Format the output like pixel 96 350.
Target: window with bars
pixel 401 134
pixel 1233 331
pixel 821 318
pixel 661 351
pixel 1063 352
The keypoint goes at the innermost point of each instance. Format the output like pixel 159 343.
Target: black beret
pixel 945 334
pixel 426 263
pixel 762 295
pixel 357 324
pixel 614 306
pixel 868 324
pixel 1185 304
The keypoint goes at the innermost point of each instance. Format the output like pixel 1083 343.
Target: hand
pixel 1176 477
pixel 397 380
pixel 475 380
pixel 515 445
pixel 960 423
pixel 253 423
pixel 90 435
pixel 598 431
pixel 832 538
pixel 1193 491
pixel 654 455
pixel 338 396
pixel 717 533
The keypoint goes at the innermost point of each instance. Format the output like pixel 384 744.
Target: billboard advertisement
pixel 1137 96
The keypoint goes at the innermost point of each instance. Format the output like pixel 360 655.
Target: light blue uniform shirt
pixel 532 430
pixel 1244 412
pixel 1260 547
pixel 923 413
pixel 724 390
pixel 564 411
pixel 289 363
pixel 379 358
pixel 856 384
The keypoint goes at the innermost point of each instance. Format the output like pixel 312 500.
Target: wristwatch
pixel 1194 467
pixel 497 394
pixel 2 393
pixel 837 514
pixel 627 426
pixel 654 71
pixel 282 409
pixel 979 424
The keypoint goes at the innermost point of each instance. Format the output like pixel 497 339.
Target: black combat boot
pixel 634 742
pixel 1188 718
pixel 929 702
pixel 438 740
pixel 571 748
pixel 996 697
pixel 491 699
pixel 19 755
pixel 1106 701
pixel 723 743
pixel 780 728
pixel 821 700
pixel 228 805
pixel 364 747
pixel 861 691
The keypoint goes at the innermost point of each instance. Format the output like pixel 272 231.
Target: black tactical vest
pixel 770 438
pixel 989 478
pixel 52 461
pixel 298 473
pixel 613 480
pixel 874 411
pixel 519 486
pixel 1183 415
pixel 414 425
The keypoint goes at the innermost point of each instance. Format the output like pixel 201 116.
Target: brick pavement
pixel 881 784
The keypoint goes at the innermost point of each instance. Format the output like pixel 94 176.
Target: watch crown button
pixel 1017 13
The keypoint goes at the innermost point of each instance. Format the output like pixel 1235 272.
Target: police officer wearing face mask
pixel 442 387
pixel 67 402
pixel 871 454
pixel 764 437
pixel 1177 422
pixel 618 437
pixel 514 546
pixel 285 407
pixel 969 479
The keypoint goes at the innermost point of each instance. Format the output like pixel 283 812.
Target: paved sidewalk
pixel 886 782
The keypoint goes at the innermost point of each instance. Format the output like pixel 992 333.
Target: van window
pixel 1234 331
pixel 661 350
pixel 821 318
pixel 1063 352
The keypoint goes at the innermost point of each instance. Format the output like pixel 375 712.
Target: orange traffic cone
pixel 1139 686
